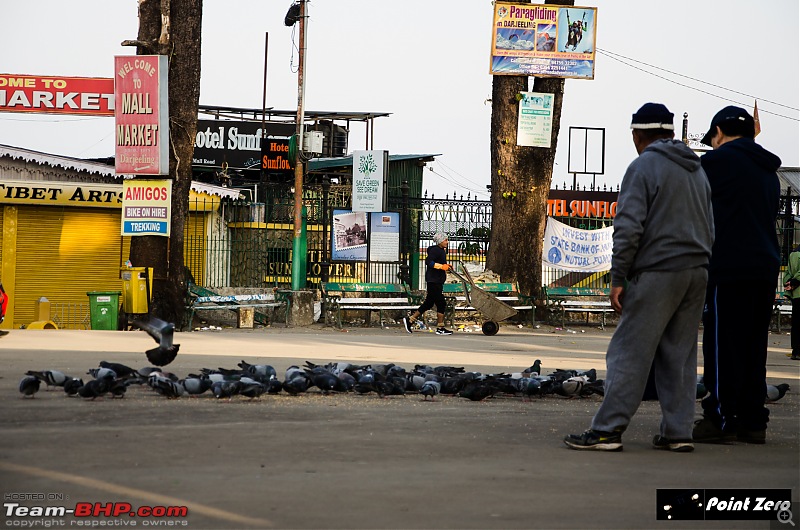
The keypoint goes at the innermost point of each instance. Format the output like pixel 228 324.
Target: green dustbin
pixel 104 309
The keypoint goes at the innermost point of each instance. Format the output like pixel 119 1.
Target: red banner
pixel 92 96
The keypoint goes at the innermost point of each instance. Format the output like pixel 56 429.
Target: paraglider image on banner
pixel 574 249
pixel 543 40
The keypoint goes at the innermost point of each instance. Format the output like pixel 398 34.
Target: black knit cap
pixel 653 116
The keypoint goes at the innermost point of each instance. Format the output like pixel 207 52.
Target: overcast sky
pixel 426 62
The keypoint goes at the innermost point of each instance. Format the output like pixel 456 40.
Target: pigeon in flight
pixel 29 385
pixel 162 333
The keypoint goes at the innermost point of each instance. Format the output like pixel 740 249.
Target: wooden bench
pixel 206 300
pixel 563 300
pixel 505 292
pixel 379 297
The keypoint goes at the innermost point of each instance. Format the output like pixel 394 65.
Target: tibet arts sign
pixel 574 249
pixel 141 115
pixel 87 96
pixel 543 40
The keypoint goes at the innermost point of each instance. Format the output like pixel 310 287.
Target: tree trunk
pixel 181 42
pixel 521 178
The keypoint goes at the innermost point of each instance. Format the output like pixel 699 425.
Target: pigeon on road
pixel 29 385
pixel 49 377
pixel 430 388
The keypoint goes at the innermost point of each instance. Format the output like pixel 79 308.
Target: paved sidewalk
pixel 346 461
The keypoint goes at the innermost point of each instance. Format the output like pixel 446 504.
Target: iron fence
pixel 70 315
pixel 249 244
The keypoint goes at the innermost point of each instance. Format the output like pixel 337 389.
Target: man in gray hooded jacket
pixel 663 233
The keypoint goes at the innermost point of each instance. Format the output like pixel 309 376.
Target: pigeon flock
pixel 253 380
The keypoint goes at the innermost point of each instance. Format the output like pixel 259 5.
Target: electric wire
pixel 694 88
pixel 455 183
pixel 609 52
pixel 447 168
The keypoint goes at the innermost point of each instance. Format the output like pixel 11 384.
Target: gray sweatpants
pixel 661 313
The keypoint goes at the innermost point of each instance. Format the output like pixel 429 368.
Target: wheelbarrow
pixel 491 309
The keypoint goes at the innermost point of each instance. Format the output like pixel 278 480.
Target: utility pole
pixel 298 254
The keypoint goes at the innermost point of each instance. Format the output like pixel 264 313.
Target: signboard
pixel 87 96
pixel 146 207
pixel 53 193
pixel 384 236
pixel 235 143
pixel 573 249
pixel 349 236
pixel 141 115
pixel 573 203
pixel 275 156
pixel 535 119
pixel 543 40
pixel 369 176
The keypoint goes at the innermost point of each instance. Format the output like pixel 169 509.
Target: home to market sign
pixel 141 115
pixel 87 96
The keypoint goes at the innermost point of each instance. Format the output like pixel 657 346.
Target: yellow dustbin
pixel 137 285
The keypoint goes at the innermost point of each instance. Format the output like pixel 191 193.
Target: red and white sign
pixel 141 115
pixel 92 96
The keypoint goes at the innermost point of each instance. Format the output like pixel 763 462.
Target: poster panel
pixel 384 236
pixel 349 236
pixel 535 119
pixel 543 40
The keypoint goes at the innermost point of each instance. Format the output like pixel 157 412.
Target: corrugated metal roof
pixel 790 178
pixel 65 162
pixel 318 164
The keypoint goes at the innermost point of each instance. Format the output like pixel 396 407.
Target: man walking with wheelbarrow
pixel 436 268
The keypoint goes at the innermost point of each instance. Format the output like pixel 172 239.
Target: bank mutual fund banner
pixel 574 249
pixel 543 40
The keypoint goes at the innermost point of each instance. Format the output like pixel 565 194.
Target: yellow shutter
pixel 64 252
pixel 194 245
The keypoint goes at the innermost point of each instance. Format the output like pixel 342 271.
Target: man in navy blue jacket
pixel 742 280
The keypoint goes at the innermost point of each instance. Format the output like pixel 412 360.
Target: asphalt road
pixel 347 461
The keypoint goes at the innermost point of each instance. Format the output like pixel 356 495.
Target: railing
pixel 70 315
pixel 247 244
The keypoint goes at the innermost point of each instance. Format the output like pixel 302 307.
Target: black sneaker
pixel 595 441
pixel 706 432
pixel 443 331
pixel 675 445
pixel 752 437
pixel 407 324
